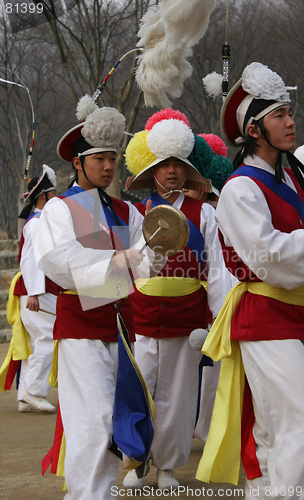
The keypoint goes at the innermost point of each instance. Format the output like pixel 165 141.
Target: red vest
pixel 258 317
pixel 164 317
pixel 97 322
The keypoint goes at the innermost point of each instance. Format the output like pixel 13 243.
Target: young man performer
pixel 172 304
pixel 88 249
pixel 260 214
pixel 38 295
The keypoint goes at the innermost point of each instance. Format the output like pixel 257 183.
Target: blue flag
pixel 134 409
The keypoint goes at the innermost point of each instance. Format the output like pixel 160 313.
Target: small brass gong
pixel 168 229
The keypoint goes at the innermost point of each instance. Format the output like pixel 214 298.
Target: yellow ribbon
pixel 107 291
pixel 221 460
pixel 204 284
pixel 19 347
pixel 162 286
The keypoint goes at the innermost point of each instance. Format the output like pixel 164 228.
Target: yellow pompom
pixel 138 156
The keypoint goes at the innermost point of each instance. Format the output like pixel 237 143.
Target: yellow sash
pixel 107 291
pixel 19 347
pixel 162 286
pixel 204 284
pixel 221 460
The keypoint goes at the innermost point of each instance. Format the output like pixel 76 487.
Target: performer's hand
pixel 148 206
pixel 33 303
pixel 127 258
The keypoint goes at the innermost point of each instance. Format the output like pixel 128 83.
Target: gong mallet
pixel 162 224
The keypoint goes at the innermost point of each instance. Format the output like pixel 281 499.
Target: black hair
pixel 80 146
pixel 250 145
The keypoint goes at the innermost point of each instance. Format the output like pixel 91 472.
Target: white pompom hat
pixel 101 129
pixel 258 92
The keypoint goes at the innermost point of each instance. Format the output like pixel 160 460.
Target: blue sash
pixel 33 214
pixel 86 200
pixel 196 242
pixel 285 192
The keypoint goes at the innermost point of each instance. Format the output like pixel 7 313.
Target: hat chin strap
pixel 295 165
pixel 170 191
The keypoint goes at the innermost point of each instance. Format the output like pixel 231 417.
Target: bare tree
pixel 269 32
pixel 60 61
pixel 89 40
pixel 70 55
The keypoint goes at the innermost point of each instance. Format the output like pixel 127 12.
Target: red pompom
pixel 166 114
pixel 216 143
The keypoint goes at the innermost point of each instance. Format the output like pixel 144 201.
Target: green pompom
pixel 202 156
pixel 221 170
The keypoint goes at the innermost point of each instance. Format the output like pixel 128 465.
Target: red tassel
pixel 52 457
pixel 248 446
pixel 11 373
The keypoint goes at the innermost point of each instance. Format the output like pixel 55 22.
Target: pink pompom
pixel 166 114
pixel 216 143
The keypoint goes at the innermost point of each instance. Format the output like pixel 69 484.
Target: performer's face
pixel 100 169
pixel 281 131
pixel 171 173
pixel 281 128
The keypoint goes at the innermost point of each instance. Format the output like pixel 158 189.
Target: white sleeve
pixel 67 262
pixel 33 277
pixel 63 259
pixel 219 279
pixel 245 221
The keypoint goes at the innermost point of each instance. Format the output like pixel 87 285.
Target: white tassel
pixel 85 107
pixel 162 73
pixel 152 28
pixel 186 21
pixel 213 84
pixel 167 33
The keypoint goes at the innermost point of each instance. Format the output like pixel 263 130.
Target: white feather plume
pixel 167 33
pixel 186 21
pixel 152 28
pixel 213 84
pixel 85 107
pixel 161 72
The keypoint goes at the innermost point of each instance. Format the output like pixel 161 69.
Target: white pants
pixel 208 390
pixel 86 385
pixel 39 325
pixel 170 368
pixel 275 372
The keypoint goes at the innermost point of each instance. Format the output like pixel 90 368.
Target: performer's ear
pixel 253 131
pixel 77 163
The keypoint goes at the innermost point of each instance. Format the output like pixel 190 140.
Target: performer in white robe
pixel 38 296
pixel 91 250
pixel 260 214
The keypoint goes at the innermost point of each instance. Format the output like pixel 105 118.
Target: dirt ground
pixel 25 438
